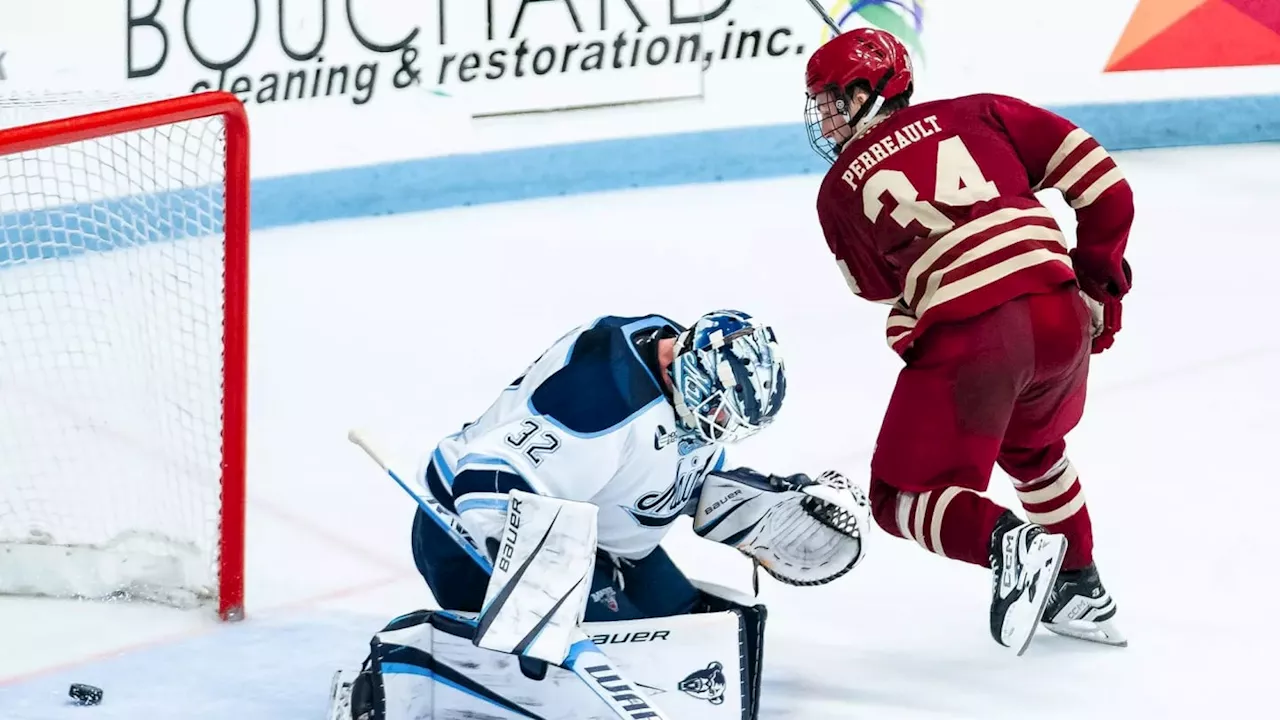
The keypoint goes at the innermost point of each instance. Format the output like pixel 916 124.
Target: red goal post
pixel 150 162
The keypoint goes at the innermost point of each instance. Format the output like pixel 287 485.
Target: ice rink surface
pixel 409 325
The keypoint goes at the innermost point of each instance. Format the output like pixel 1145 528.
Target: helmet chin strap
pixel 869 113
pixel 871 118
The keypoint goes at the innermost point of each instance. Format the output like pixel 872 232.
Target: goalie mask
pixel 727 377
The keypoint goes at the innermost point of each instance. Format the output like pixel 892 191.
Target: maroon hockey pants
pixel 1004 387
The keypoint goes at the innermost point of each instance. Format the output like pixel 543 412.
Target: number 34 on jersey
pixel 959 180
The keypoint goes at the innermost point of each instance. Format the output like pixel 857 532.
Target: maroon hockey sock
pixel 1076 526
pixel 1055 500
pixel 1079 533
pixel 952 521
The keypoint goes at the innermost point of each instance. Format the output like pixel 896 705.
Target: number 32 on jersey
pixel 545 442
pixel 959 183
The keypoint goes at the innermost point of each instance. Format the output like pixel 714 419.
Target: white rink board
pixel 709 64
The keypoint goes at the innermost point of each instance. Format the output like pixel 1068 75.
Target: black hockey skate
pixel 1080 607
pixel 1025 561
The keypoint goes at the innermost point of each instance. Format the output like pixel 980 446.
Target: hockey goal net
pixel 123 293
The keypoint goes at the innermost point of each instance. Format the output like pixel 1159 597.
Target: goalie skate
pixel 350 696
pixel 1025 561
pixel 340 696
pixel 1081 608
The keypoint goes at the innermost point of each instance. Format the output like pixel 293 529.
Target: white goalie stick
pixel 584 659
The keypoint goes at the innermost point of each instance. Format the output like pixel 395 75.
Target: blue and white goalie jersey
pixel 590 420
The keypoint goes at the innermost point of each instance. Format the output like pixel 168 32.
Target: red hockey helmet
pixel 863 56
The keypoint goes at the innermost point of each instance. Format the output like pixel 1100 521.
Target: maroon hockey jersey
pixel 933 209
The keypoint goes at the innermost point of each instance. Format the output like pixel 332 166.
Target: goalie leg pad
pixel 714 598
pixel 426 665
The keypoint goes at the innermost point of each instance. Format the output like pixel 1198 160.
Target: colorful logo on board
pixel 1182 34
pixel 903 18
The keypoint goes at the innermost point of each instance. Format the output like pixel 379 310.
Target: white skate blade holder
pixel 1039 566
pixel 1103 633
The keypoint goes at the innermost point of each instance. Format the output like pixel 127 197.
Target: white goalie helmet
pixel 727 376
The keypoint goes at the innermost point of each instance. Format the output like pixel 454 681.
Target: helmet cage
pixel 827 148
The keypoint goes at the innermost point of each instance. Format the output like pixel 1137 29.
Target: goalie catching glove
pixel 801 531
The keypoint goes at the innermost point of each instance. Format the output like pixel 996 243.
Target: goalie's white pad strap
pixel 541 578
pixel 781 526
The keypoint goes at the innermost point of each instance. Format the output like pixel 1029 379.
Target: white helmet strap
pixel 871 117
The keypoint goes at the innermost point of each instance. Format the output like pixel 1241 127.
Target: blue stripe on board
pixel 555 170
pixel 142 220
pixel 695 157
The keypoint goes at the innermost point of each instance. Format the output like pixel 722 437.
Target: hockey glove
pixel 1103 290
pixel 801 531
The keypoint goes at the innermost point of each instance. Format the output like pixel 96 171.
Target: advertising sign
pixel 1164 35
pixel 498 57
pixel 336 83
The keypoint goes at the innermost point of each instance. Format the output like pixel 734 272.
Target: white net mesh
pixel 24 108
pixel 111 320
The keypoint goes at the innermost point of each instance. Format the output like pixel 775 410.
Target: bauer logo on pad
pixel 537 594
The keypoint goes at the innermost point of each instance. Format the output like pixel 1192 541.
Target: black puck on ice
pixel 86 694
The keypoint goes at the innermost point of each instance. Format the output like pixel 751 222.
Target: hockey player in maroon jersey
pixel 931 209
